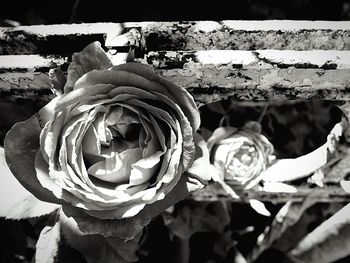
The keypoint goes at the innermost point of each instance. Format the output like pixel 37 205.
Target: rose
pixel 240 154
pixel 119 143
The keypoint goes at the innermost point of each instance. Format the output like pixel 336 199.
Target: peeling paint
pixel 172 36
pixel 14 77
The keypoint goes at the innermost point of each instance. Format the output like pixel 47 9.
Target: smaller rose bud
pixel 240 155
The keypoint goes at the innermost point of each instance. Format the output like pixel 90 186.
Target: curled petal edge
pixel 128 228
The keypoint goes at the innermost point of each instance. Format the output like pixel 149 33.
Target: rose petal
pixel 200 168
pixel 182 97
pixel 101 128
pixel 187 133
pixel 78 95
pixel 46 113
pixel 49 136
pixel 91 148
pixel 114 115
pixel 69 155
pixel 117 168
pixel 162 188
pixel 143 170
pixel 151 141
pixel 128 228
pixel 188 144
pixel 220 134
pixel 116 78
pixel 156 110
pixel 42 175
pixel 90 58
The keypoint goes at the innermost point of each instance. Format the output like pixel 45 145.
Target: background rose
pixel 240 155
pixel 120 142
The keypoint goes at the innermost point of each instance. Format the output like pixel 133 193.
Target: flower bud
pixel 240 155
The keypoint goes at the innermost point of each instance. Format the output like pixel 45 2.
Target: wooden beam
pixel 23 63
pixel 191 35
pixel 214 75
pixel 214 192
pixel 245 35
pixel 324 59
pixel 256 75
pixel 56 39
pixel 263 59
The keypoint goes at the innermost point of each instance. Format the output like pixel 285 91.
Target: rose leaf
pixel 21 144
pixel 259 207
pixel 97 248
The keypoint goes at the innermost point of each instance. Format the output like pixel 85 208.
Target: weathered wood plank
pixel 25 85
pixel 245 35
pixel 192 35
pixel 214 192
pixel 210 85
pixel 22 63
pixel 215 75
pixel 57 39
pixel 323 59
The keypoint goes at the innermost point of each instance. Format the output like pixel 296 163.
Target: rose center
pixel 246 154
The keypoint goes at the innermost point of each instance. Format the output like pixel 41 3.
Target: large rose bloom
pixel 240 155
pixel 117 140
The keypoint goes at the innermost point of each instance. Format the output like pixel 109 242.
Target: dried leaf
pixel 58 80
pixel 312 217
pixel 30 207
pixel 217 178
pixel 278 187
pixel 292 169
pixel 288 215
pixel 295 168
pixel 48 243
pixel 345 185
pixel 259 207
pixel 328 242
pixel 90 58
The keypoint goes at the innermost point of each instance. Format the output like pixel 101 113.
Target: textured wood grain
pixel 214 192
pixel 212 75
pixel 245 35
pixel 191 35
pixel 56 39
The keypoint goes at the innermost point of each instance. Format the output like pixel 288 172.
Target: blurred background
pixel 68 11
